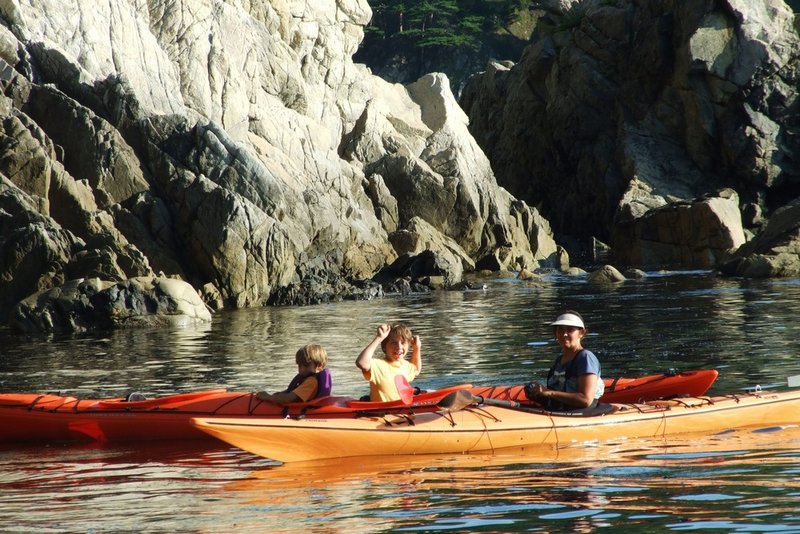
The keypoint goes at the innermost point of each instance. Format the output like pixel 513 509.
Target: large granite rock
pixel 700 234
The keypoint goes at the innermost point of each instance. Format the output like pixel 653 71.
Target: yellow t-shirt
pixel 307 388
pixel 381 378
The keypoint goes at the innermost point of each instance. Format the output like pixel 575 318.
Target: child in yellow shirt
pixel 395 341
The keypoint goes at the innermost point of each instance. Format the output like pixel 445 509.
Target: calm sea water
pixel 743 481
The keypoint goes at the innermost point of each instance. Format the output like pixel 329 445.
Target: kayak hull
pixel 34 417
pixel 488 428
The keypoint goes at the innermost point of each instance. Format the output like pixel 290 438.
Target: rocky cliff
pixel 235 145
pixel 620 109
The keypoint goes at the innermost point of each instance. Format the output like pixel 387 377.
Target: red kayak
pixel 627 390
pixel 46 417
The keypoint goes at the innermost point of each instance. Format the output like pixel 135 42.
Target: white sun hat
pixel 568 319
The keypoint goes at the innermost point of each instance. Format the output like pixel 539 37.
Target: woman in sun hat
pixel 573 381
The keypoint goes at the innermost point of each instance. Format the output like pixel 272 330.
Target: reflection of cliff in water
pixel 497 335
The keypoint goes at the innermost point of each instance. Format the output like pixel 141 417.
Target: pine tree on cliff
pixel 420 31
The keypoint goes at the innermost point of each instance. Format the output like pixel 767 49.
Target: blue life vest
pixel 567 382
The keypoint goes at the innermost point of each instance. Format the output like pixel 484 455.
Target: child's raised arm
pixel 416 353
pixel 364 360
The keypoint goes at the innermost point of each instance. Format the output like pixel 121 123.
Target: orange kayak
pixel 484 427
pixel 48 417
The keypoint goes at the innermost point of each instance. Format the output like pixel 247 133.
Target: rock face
pixel 622 108
pixel 237 147
pixel 233 145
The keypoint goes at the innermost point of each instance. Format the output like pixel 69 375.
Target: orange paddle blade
pixel 404 388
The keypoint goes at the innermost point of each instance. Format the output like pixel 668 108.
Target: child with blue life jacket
pixel 313 379
pixel 574 380
pixel 395 341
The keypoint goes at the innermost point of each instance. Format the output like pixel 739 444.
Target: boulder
pixel 775 252
pixel 701 234
pixel 607 274
pixel 92 304
pixel 451 261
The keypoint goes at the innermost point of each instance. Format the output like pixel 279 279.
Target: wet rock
pixel 92 304
pixel 775 252
pixel 607 274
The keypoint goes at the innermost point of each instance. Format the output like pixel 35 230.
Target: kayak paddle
pixel 458 400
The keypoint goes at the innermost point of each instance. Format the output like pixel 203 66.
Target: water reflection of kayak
pixel 484 427
pixel 50 417
pixel 539 466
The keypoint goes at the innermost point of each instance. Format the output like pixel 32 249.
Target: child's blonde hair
pixel 398 330
pixel 312 353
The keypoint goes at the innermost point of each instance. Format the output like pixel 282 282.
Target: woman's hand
pixel 535 391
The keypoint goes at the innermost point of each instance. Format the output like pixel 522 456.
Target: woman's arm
pixel 583 398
